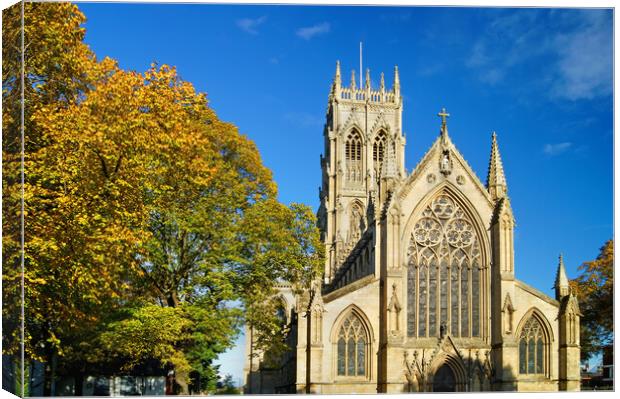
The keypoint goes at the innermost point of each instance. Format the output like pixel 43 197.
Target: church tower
pixel 363 126
pixel 419 291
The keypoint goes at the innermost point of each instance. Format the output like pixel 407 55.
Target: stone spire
pixel 367 78
pixel 396 82
pixel 337 83
pixel 382 83
pixel 561 281
pixel 353 79
pixel 337 80
pixel 496 180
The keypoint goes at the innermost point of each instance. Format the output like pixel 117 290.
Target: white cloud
pixel 572 49
pixel 585 62
pixel 556 149
pixel 314 30
pixel 510 39
pixel 478 56
pixel 250 25
pixel 492 76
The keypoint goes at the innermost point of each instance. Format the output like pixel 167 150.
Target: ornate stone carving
pixel 445 163
pixel 460 179
pixel 508 311
pixel 394 308
pixel 417 370
pixel 431 178
pixel 316 310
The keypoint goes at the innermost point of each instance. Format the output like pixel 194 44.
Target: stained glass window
pixel 432 300
pixel 352 347
pixel 351 357
pixel 454 297
pixel 361 356
pixel 532 348
pixel 422 306
pixel 341 356
pixel 444 235
pixel 475 302
pixel 443 299
pixel 411 299
pixel 464 302
pixel 522 357
pixel 539 356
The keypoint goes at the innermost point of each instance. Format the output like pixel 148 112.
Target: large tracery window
pixel 353 156
pixel 532 347
pixel 351 347
pixel 445 273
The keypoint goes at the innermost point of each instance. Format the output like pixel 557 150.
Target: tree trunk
pixel 173 299
pixel 79 383
pixel 48 376
pixel 182 380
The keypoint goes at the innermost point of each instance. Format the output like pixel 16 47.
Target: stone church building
pixel 419 291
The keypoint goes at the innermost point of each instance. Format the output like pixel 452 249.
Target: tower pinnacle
pixel 382 83
pixel 337 78
pixel 561 281
pixel 337 81
pixel 396 78
pixel 367 78
pixel 353 79
pixel 496 180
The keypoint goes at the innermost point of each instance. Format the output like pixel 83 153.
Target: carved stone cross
pixel 443 114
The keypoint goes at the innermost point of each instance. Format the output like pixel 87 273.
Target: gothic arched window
pixel 352 346
pixel 353 156
pixel 445 272
pixel 378 151
pixel 532 347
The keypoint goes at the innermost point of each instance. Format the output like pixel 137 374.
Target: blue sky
pixel 541 78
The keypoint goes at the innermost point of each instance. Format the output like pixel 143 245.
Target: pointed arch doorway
pixel 444 379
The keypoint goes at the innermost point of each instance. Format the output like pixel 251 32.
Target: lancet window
pixel 532 347
pixel 445 272
pixel 352 347
pixel 353 156
pixel 378 151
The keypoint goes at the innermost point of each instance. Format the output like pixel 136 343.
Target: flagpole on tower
pixel 361 71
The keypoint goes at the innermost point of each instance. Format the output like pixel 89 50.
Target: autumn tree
pixel 56 61
pixel 148 218
pixel 594 290
pixel 182 199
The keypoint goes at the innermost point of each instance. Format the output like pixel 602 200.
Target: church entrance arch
pixel 444 379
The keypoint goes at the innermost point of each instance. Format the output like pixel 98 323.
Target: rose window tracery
pixel 445 272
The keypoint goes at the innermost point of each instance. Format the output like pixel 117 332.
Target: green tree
pixel 58 68
pixel 227 386
pixel 594 290
pixel 148 218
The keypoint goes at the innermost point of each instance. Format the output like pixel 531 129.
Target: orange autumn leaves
pixel 135 194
